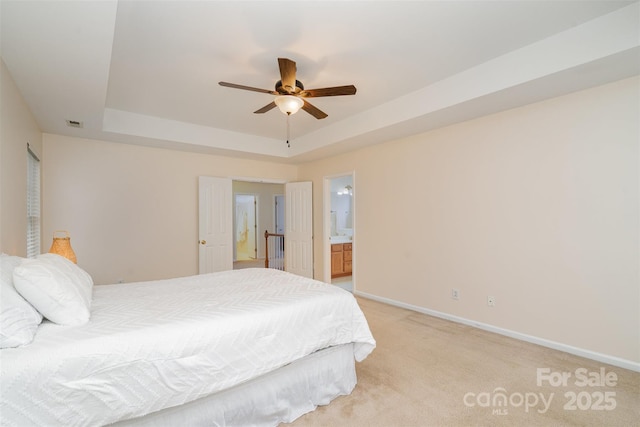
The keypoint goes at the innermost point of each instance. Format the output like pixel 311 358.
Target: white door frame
pixel 326 226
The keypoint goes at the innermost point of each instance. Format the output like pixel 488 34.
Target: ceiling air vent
pixel 74 123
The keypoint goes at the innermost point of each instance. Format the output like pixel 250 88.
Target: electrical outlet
pixel 491 301
pixel 455 294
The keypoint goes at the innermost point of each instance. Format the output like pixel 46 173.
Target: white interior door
pixel 215 224
pixel 298 241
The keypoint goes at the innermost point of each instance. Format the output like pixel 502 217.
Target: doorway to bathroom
pixel 339 206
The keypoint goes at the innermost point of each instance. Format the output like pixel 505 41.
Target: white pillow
pixel 18 319
pixel 56 287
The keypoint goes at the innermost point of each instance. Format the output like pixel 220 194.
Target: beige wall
pixel 17 128
pixel 537 206
pixel 133 211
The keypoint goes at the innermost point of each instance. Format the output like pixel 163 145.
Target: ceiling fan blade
pixel 287 74
pixel 253 89
pixel 314 111
pixel 329 91
pixel 265 108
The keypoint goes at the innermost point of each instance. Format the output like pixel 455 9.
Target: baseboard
pixel 604 358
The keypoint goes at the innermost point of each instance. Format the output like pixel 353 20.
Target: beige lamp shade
pixel 62 245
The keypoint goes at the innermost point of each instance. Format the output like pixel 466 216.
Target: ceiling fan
pixel 290 92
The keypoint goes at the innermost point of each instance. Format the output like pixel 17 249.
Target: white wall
pixel 132 211
pixel 537 206
pixel 17 128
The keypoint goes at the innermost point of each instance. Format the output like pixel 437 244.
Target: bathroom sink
pixel 340 239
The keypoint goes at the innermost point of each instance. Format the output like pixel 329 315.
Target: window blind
pixel 33 204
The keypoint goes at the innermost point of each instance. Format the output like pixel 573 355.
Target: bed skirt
pixel 278 397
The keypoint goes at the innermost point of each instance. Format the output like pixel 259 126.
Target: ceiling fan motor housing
pixel 299 88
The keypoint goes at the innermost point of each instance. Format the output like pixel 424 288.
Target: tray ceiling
pixel 147 72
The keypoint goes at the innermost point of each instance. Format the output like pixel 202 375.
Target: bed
pixel 242 347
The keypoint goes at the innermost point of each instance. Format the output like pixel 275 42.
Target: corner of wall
pixel 19 127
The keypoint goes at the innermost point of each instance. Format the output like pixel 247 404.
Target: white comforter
pixel 153 345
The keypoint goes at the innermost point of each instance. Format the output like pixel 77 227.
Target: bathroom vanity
pixel 340 258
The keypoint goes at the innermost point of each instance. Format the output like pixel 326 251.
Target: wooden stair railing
pixel 274 250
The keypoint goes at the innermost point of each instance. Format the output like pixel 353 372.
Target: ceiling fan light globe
pixel 289 104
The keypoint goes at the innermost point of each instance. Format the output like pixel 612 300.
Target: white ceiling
pixel 147 72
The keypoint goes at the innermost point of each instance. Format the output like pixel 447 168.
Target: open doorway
pixel 339 226
pixel 245 227
pixel 217 217
pixel 249 241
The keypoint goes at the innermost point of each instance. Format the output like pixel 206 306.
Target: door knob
pixel 203 242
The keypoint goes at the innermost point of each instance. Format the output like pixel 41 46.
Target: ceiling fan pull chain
pixel 288 130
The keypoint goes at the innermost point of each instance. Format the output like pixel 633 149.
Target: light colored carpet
pixel 423 367
pixel 248 263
